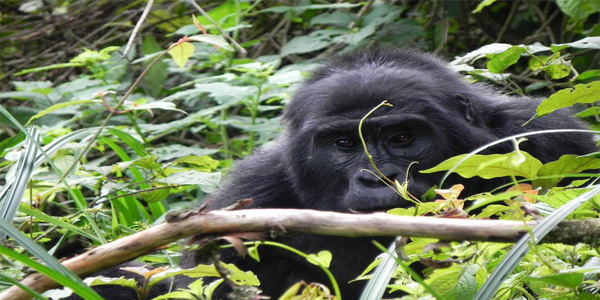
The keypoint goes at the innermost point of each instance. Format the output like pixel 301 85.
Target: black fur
pixel 316 162
pixel 435 115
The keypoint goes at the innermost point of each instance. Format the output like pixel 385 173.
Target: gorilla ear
pixel 465 105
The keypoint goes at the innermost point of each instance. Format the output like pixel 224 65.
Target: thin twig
pixel 513 9
pixel 137 27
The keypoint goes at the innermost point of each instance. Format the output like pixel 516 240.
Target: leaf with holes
pixel 516 163
pixel 581 93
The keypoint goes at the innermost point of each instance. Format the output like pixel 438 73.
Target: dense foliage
pixel 100 138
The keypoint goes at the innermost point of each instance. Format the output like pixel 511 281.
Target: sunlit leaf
pixel 322 258
pixel 181 53
pixel 482 5
pixel 571 280
pixel 215 40
pixel 492 166
pixel 466 285
pixel 566 164
pixel 499 62
pixel 581 93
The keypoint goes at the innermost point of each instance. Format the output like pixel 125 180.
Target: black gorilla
pixel 316 163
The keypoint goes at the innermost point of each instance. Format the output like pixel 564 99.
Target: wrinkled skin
pixel 318 161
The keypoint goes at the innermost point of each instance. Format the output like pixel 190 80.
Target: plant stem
pixel 364 143
pixel 334 284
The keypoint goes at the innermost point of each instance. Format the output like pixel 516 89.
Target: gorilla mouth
pixel 376 200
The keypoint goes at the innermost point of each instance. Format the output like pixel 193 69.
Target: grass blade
pixel 514 256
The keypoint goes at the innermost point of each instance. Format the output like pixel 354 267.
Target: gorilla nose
pixel 371 180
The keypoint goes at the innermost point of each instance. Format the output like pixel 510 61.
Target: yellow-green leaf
pixel 323 258
pixel 181 53
pixel 581 93
pixel 566 164
pixel 516 163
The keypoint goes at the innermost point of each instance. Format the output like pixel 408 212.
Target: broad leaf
pixel 566 164
pixel 517 163
pixel 499 62
pixel 581 93
pixel 181 53
pixel 571 280
pixel 215 40
pixel 323 258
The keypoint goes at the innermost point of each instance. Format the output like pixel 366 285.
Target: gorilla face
pixel 414 134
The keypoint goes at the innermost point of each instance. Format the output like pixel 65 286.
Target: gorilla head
pixel 319 161
pixel 431 119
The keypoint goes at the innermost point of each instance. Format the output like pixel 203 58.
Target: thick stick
pixel 308 221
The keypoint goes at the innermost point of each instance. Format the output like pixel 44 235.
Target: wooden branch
pixel 184 224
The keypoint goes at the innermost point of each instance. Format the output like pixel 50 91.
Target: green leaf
pixel 578 9
pixel 499 62
pixel 61 275
pixel 148 162
pixel 208 182
pixel 323 258
pixel 241 277
pixel 537 62
pixel 590 42
pixel 304 44
pixel 155 78
pixel 181 53
pixel 482 5
pixel 253 252
pixel 200 161
pixel 215 40
pixel 592 111
pixel 466 285
pixel 571 280
pixel 588 76
pixel 444 281
pixel 581 93
pixel 177 295
pixel 89 57
pixel 226 13
pixel 102 280
pixel 516 163
pixel 151 196
pixel 11 142
pixel 566 164
pixel 558 70
pixel 24 208
pixel 46 68
pixel 130 141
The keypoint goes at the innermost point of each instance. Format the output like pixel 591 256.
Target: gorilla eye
pixel 345 143
pixel 400 139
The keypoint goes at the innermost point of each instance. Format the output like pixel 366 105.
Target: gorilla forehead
pixel 361 91
pixel 410 91
pixel 412 82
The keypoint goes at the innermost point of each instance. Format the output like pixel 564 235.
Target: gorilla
pixel 318 162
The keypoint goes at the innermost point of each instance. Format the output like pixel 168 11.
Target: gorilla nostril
pixel 371 180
